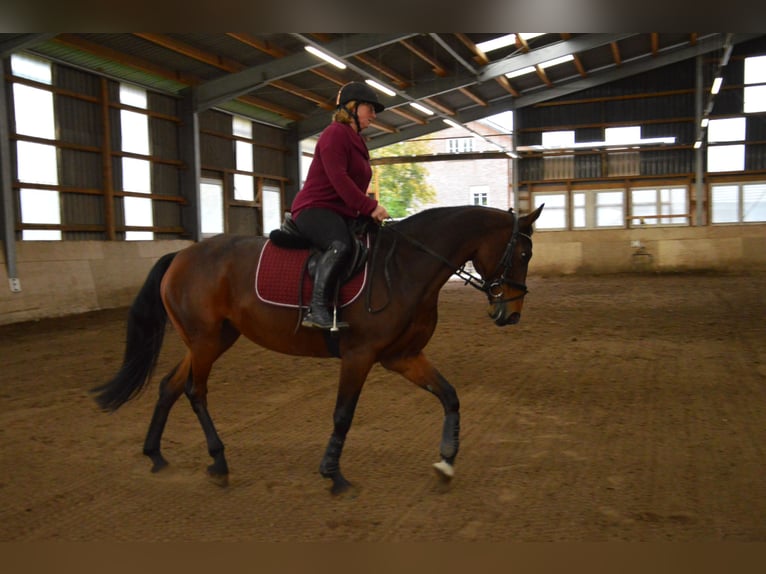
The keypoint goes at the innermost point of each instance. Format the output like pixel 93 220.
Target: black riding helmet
pixel 359 92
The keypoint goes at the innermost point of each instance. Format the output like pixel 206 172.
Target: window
pixel 728 157
pixel 244 184
pixel 211 207
pixel 36 163
pixel 755 95
pixel 271 208
pixel 554 216
pixel 738 203
pixel 136 173
pixel 598 208
pixel 560 139
pixel 479 195
pixel 649 205
pixel 459 145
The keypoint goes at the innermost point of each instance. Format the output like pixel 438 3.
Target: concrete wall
pixel 66 277
pixel 63 278
pixel 659 249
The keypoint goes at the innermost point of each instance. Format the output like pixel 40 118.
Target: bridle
pixel 491 288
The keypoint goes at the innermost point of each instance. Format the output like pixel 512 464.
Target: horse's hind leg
pixel 171 387
pixel 421 372
pixel 196 392
pixel 203 357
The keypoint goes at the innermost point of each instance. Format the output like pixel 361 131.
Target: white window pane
pixel 578 199
pixel 32 68
pixel 558 139
pixel 36 163
pixel 609 198
pixel 242 127
pixel 624 135
pixel 755 70
pixel 272 209
pixel 41 235
pixel 40 206
pixel 243 187
pixel 211 207
pixel 726 130
pixel 136 175
pixel 134 127
pixel 644 196
pixel 609 216
pixel 725 200
pixel 677 200
pixel 755 99
pixel 244 153
pixel 34 112
pixel 554 214
pixel 579 217
pixel 133 96
pixel 138 212
pixel 754 202
pixel 726 158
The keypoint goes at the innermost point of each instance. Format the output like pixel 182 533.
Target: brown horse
pixel 207 291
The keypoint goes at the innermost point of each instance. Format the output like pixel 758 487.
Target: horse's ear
pixel 532 217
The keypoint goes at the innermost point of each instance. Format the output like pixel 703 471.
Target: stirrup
pixel 309 320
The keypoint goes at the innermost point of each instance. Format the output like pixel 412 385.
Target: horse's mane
pixel 435 217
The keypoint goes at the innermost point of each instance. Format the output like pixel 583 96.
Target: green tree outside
pixel 402 187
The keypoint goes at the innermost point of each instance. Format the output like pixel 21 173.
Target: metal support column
pixel 699 184
pixel 190 176
pixel 7 222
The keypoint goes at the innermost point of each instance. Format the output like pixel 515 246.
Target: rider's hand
pixel 380 214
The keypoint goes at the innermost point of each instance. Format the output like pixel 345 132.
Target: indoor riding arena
pixel 625 405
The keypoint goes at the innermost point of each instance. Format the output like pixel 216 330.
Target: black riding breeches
pixel 323 227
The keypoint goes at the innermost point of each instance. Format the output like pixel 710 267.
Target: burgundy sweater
pixel 338 175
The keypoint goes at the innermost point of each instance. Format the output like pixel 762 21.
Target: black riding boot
pixel 328 269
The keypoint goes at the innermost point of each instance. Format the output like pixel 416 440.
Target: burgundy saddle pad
pixel 278 278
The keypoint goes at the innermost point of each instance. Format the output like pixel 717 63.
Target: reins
pixel 489 288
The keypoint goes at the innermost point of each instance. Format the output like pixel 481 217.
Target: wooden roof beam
pixel 438 68
pixel 577 60
pixel 616 53
pixel 481 58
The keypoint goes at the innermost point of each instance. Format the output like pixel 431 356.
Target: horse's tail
pixel 145 332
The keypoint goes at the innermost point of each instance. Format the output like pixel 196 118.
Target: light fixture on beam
pixel 521 72
pixel 326 57
pixel 557 61
pixel 452 123
pixel 704 122
pixel 422 108
pixel 698 144
pixel 381 88
pixel 716 85
pixel 497 43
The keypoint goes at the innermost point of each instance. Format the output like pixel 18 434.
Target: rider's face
pixel 366 113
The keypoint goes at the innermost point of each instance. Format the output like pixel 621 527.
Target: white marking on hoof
pixel 444 469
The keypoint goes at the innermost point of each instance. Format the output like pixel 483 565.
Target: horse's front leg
pixel 352 377
pixel 420 371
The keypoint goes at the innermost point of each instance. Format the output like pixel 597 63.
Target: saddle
pixel 288 236
pixel 286 268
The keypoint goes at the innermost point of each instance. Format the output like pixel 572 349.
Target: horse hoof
pixel 221 480
pixel 159 465
pixel 444 470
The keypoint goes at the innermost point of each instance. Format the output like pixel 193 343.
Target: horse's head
pixel 503 265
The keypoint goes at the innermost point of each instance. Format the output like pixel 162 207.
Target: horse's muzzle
pixel 502 317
